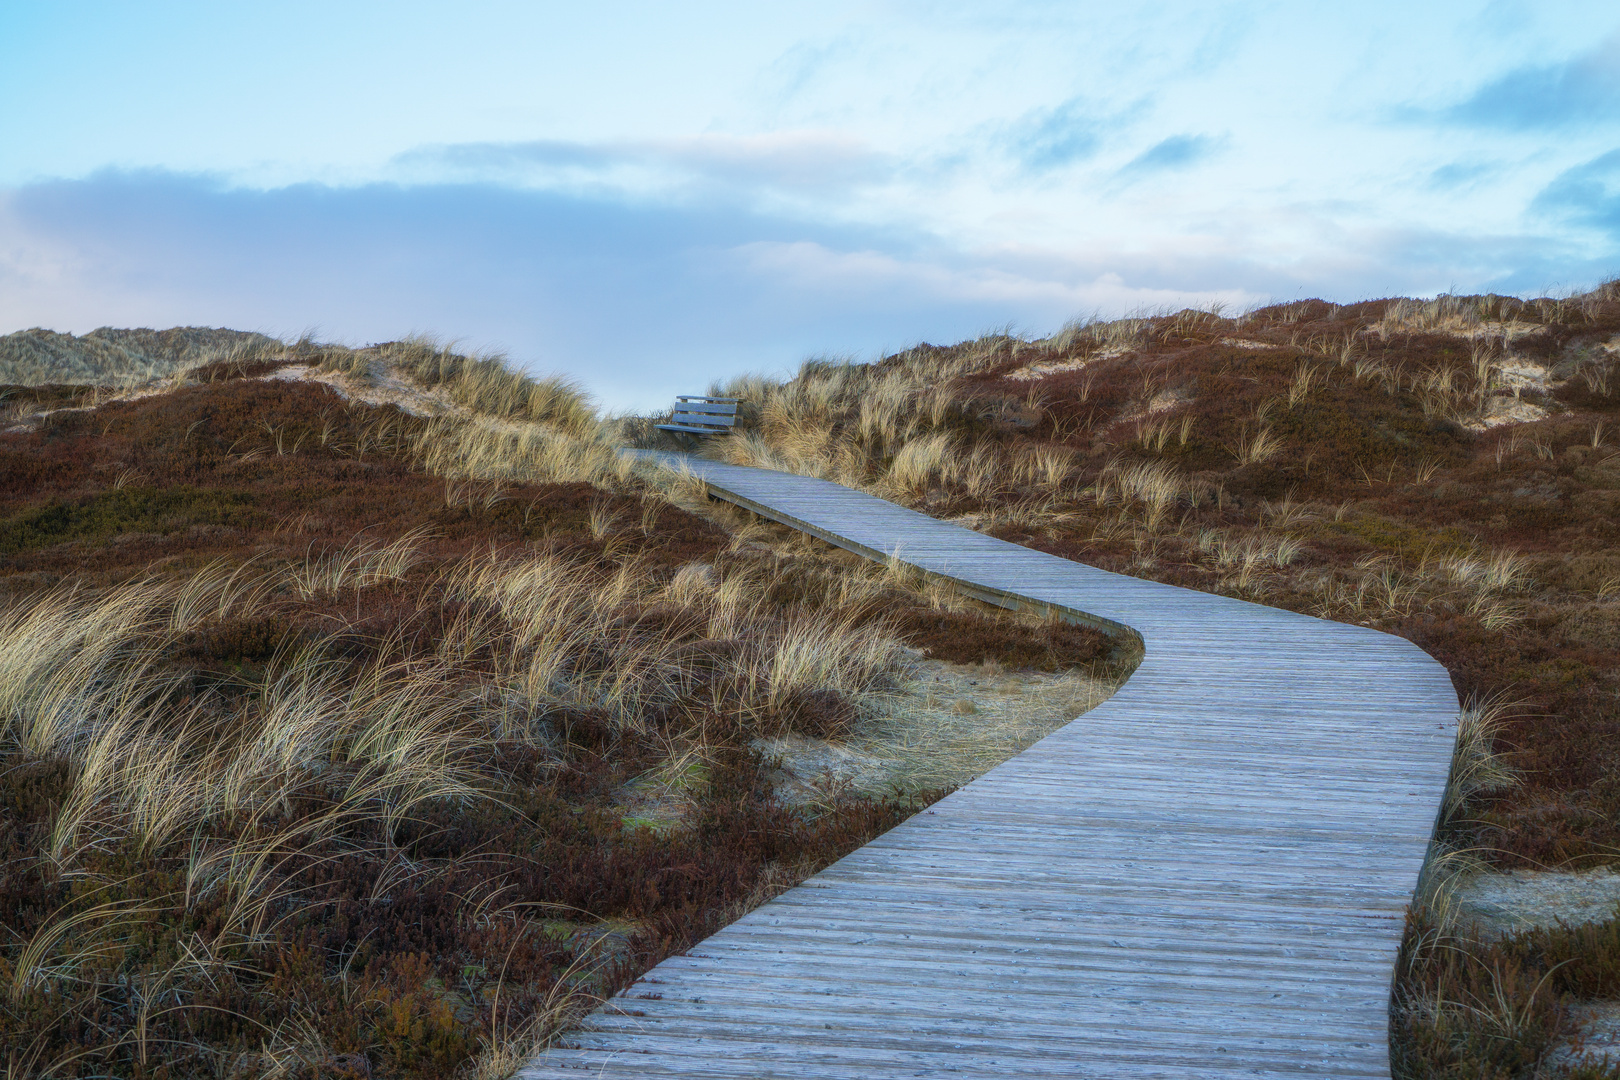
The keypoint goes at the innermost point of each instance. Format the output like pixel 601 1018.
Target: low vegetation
pixel 1445 470
pixel 366 713
pixel 340 739
pixel 119 358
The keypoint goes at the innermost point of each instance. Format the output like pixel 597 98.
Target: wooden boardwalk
pixel 1203 877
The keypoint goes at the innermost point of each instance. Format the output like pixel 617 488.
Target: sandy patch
pixel 1162 402
pixel 1041 369
pixel 1492 905
pixel 16 416
pixel 946 725
pixel 952 723
pixel 1501 409
pixel 1466 327
pixel 381 385
pixel 1514 376
pixel 1598 1042
pixel 1499 904
pixel 1243 343
pixel 1517 375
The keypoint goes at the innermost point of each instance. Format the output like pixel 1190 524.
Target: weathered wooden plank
pixel 1204 876
pixel 707 416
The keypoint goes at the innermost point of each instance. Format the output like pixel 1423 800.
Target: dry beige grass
pixel 897 431
pixel 913 430
pixel 83 683
pixel 893 418
pixel 485 385
pixel 939 724
pixel 85 680
pixel 315 750
pixel 124 358
pixel 537 453
pixel 361 563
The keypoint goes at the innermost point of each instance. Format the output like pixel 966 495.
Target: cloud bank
pixel 640 301
pixel 642 298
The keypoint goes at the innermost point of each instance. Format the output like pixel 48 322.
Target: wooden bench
pixel 701 417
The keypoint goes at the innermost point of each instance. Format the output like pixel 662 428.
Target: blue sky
pixel 648 196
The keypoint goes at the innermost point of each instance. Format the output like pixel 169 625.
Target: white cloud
pixel 820 164
pixel 960 278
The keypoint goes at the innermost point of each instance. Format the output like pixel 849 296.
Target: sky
pixel 651 196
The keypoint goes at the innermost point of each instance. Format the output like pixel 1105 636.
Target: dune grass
pixel 196 829
pixel 1444 470
pixel 301 714
pixel 328 731
pixel 118 358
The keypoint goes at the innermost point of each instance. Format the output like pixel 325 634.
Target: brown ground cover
pixel 320 763
pixel 1447 470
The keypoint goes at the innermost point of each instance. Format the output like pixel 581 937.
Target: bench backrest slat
pixel 707 408
pixel 702 419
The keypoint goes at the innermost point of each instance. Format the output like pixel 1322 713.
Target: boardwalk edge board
pixel 1205 876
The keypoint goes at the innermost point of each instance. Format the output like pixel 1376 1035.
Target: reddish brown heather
pixel 1372 465
pixel 1446 470
pixel 386 947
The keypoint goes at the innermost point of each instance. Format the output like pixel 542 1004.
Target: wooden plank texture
pixel 682 416
pixel 1205 876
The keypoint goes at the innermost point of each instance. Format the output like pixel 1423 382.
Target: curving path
pixel 1205 876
